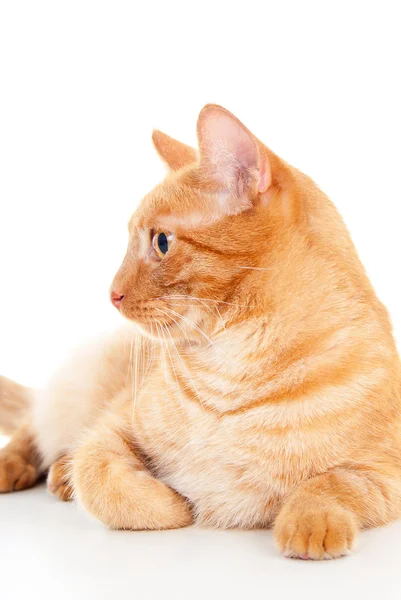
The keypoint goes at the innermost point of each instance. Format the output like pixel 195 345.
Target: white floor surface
pixel 49 549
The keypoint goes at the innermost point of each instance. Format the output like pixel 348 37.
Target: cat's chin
pixel 172 334
pixel 147 329
pixel 152 331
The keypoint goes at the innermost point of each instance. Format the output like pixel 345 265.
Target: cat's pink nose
pixel 116 298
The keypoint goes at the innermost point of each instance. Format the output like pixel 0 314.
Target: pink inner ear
pixel 235 139
pixel 229 152
pixel 228 142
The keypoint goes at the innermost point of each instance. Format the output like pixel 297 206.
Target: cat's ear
pixel 174 153
pixel 230 155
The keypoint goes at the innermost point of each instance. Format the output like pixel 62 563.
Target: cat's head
pixel 201 243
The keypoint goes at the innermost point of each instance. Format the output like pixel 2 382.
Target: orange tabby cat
pixel 264 387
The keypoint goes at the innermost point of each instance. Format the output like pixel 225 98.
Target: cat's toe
pixel 315 533
pixel 58 480
pixel 16 473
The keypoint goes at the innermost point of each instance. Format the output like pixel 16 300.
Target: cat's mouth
pixel 162 322
pixel 157 319
pixel 178 318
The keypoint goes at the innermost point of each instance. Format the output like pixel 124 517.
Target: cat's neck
pixel 228 371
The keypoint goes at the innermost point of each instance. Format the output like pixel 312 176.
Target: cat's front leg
pixel 320 519
pixel 112 483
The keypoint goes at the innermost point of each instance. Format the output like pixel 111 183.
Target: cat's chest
pixel 181 438
pixel 226 465
pixel 234 466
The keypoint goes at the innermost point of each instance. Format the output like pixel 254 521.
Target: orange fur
pixel 14 403
pixel 58 479
pixel 19 462
pixel 268 390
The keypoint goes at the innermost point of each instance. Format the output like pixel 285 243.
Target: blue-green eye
pixel 161 243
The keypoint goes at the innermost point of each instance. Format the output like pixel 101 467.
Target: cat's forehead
pixel 181 200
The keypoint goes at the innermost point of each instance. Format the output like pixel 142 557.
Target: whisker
pixel 137 348
pixel 163 329
pixel 255 268
pixel 185 333
pixel 158 326
pixel 129 374
pixel 221 318
pixel 170 310
pixel 209 308
pixel 149 357
pixel 183 364
pixel 187 297
pixel 216 348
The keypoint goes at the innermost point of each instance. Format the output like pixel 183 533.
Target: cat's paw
pixel 16 473
pixel 58 480
pixel 120 492
pixel 314 530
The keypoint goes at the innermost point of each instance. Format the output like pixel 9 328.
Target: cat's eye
pixel 161 242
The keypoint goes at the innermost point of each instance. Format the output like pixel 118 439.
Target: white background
pixel 83 83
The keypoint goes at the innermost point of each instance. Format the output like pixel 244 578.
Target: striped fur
pixel 262 384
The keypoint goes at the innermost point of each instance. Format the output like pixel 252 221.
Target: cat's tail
pixel 15 403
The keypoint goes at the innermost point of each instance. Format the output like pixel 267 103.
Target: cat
pixel 256 382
